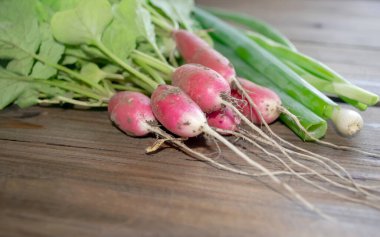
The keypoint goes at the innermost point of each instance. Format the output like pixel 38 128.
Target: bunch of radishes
pixel 198 101
pixel 207 97
pixel 203 92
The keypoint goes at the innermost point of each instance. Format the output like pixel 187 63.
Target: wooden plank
pixel 63 171
pixel 352 23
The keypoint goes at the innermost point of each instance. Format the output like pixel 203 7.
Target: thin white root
pixel 288 188
pixel 248 137
pixel 313 172
pixel 323 164
pixel 296 120
pixel 350 179
pixel 179 143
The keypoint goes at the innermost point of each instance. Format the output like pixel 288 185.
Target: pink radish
pixel 224 119
pixel 177 112
pixel 205 86
pixel 267 102
pixel 132 113
pixel 195 50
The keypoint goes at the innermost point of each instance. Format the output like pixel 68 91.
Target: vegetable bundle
pixel 84 52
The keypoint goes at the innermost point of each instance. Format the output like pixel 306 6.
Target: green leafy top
pixel 177 10
pixel 83 24
pixel 19 34
pixel 80 51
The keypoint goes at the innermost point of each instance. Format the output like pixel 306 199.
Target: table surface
pixel 66 172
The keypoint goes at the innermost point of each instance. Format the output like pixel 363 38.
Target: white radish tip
pixel 347 122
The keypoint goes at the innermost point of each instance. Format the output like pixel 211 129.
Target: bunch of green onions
pixel 263 55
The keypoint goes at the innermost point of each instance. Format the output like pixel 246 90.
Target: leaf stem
pixel 153 73
pixel 163 25
pixel 126 88
pixel 78 102
pixel 70 72
pixel 158 52
pixel 153 62
pixel 152 84
pixel 73 88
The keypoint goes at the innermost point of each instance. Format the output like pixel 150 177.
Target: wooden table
pixel 66 172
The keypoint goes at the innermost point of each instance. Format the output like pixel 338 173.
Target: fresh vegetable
pixel 205 86
pixel 224 119
pixel 264 62
pixel 267 102
pixel 195 50
pixel 329 81
pixel 131 112
pixel 177 112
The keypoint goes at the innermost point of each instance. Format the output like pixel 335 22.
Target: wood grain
pixel 68 172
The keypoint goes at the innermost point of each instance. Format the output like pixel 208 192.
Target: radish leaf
pixel 50 50
pixel 19 34
pixel 92 72
pixel 83 24
pixel 121 35
pixel 21 90
pixel 178 11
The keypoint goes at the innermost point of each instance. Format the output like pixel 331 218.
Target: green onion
pixel 267 64
pixel 325 79
pixel 331 88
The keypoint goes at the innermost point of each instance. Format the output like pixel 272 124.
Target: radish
pixel 205 86
pixel 214 93
pixel 224 119
pixel 131 112
pixel 267 102
pixel 195 50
